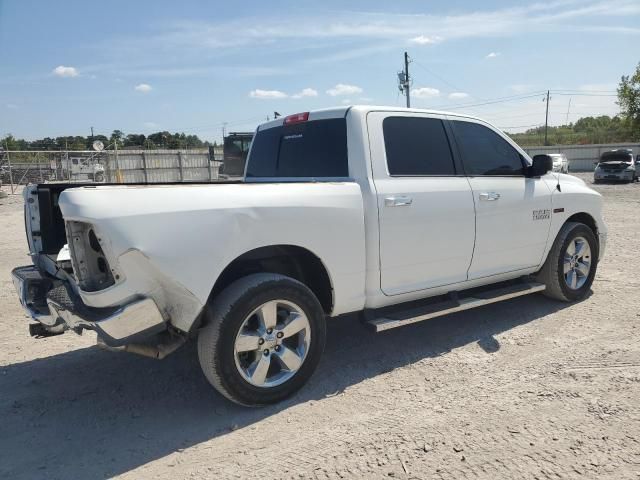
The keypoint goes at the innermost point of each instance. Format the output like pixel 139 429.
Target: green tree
pixel 117 136
pixel 629 101
pixel 9 142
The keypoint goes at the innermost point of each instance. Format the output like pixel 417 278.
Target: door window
pixel 417 146
pixel 485 152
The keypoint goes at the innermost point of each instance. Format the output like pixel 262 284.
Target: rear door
pixel 513 212
pixel 425 205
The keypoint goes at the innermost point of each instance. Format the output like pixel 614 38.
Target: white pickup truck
pixel 400 215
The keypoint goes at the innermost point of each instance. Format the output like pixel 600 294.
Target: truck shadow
pixel 90 413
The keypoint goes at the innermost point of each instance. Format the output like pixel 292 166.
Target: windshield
pixel 616 157
pixel 313 149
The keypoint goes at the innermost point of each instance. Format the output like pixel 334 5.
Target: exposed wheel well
pixel 586 219
pixel 295 262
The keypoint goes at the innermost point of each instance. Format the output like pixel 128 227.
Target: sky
pixel 196 66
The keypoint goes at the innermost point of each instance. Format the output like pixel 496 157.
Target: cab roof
pixel 337 112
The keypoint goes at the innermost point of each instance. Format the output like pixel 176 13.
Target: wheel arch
pixel 588 220
pixel 290 260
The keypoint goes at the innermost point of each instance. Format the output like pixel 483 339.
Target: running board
pixel 474 300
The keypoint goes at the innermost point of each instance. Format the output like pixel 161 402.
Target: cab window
pixel 484 152
pixel 417 147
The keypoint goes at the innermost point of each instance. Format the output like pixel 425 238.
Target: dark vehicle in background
pixel 236 148
pixel 616 165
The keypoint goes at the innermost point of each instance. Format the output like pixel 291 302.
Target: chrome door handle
pixel 489 196
pixel 398 201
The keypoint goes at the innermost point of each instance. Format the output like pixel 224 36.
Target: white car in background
pixel 560 162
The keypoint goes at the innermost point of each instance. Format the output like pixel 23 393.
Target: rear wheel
pixel 571 264
pixel 264 339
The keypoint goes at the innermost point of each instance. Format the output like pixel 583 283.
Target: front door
pixel 513 212
pixel 425 205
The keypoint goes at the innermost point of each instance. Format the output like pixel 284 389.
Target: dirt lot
pixel 529 388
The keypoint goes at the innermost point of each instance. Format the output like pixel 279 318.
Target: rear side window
pixel 310 149
pixel 484 152
pixel 417 146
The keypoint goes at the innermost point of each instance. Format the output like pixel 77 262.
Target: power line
pixel 586 94
pixel 493 101
pixel 522 126
pixel 584 91
pixel 446 82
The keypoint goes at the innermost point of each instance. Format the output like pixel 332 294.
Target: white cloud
pixel 143 88
pixel 305 92
pixel 493 55
pixel 598 87
pixel 267 94
pixel 522 87
pixel 458 95
pixel 537 17
pixel 422 40
pixel 425 92
pixel 346 101
pixel 150 125
pixel 335 36
pixel 344 89
pixel 65 72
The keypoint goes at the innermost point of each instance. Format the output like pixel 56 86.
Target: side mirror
pixel 541 165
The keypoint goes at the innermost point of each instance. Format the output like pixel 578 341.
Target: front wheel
pixel 264 339
pixel 571 264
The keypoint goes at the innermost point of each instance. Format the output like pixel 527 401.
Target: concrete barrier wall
pixel 582 157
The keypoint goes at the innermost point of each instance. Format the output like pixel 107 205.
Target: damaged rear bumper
pixel 53 302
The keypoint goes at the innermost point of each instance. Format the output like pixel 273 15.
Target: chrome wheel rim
pixel 272 343
pixel 577 263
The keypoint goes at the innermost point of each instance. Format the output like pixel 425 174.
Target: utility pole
pixel 224 131
pixel 566 121
pixel 118 172
pixel 92 134
pixel 404 83
pixel 546 121
pixel 406 78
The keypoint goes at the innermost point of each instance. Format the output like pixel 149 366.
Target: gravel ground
pixel 527 388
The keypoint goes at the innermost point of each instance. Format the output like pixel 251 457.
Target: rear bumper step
pixel 473 300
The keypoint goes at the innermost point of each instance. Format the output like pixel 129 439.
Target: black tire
pixel 552 274
pixel 226 315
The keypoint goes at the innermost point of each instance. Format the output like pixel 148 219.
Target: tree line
pixel 587 130
pixel 132 141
